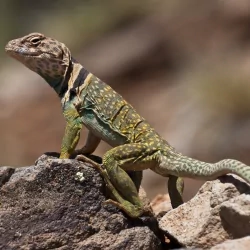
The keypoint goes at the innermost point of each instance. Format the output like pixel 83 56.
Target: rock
pixel 235 215
pixel 58 204
pixel 218 212
pixel 133 238
pixel 161 204
pixel 145 200
pixel 5 174
pixel 242 244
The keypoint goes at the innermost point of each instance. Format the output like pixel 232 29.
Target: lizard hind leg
pixel 125 186
pixel 129 157
pixel 126 206
pixel 175 190
pixel 136 177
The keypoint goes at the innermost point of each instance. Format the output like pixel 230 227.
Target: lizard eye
pixel 35 41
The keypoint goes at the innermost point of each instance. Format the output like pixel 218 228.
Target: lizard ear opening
pixel 66 56
pixel 66 60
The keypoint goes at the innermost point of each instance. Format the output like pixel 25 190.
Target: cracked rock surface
pixel 220 211
pixel 58 204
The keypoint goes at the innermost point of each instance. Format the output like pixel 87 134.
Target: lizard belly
pixel 102 129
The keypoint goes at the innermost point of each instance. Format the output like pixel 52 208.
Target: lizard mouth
pixel 21 51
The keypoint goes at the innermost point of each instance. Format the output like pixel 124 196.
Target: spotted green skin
pixel 136 145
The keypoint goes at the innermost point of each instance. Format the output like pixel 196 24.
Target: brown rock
pixel 241 244
pixel 218 212
pixel 161 204
pixel 58 204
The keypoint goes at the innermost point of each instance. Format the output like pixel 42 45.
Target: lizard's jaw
pixel 20 52
pixel 23 54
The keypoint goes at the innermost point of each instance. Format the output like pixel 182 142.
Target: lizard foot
pixel 130 209
pixel 82 157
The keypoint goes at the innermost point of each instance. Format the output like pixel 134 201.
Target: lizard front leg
pixel 90 146
pixel 72 132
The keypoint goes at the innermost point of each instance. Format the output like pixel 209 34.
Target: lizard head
pixel 46 56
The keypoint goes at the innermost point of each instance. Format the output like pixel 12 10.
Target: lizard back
pixel 116 118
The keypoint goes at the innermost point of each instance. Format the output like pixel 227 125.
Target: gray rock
pixel 235 216
pixel 58 204
pixel 5 174
pixel 218 212
pixel 133 238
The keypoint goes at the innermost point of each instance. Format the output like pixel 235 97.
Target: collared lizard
pixel 86 100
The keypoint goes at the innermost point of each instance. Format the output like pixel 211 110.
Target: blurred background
pixel 184 65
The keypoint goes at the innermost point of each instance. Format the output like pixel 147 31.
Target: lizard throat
pixel 58 83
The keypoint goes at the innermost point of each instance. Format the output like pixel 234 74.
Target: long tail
pixel 183 166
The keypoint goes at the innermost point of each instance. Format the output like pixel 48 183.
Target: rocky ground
pixel 59 204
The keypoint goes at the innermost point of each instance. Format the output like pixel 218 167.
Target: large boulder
pixel 58 204
pixel 241 244
pixel 220 211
